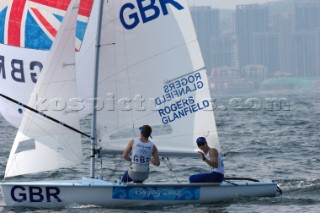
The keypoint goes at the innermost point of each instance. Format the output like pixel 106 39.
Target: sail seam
pixel 149 58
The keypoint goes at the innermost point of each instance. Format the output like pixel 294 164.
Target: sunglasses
pixel 201 143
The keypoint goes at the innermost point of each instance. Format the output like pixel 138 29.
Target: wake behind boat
pixel 134 55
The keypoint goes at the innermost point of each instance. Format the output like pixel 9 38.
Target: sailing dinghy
pixel 145 48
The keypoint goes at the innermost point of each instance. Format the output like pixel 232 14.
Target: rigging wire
pixel 170 167
pixel 45 116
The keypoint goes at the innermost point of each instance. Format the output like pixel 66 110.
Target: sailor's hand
pixel 202 155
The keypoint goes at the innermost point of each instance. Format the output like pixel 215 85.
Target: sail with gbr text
pixel 154 77
pixel 22 54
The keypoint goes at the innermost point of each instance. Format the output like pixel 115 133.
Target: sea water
pixel 266 137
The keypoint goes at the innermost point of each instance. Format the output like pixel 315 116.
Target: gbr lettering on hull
pixel 18 70
pixel 35 194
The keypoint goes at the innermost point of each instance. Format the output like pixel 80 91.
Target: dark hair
pixel 146 130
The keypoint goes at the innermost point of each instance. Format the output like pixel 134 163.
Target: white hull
pixel 101 193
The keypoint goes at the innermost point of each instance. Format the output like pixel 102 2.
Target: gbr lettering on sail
pixel 19 70
pixel 145 11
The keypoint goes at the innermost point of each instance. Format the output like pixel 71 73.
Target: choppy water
pixel 279 142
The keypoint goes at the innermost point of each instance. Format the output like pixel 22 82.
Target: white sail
pixel 149 51
pixel 19 70
pixel 41 145
pixel 85 60
pixel 21 62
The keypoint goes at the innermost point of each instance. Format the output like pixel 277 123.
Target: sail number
pixel 35 194
pixel 148 10
pixel 17 70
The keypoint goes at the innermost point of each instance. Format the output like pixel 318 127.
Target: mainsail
pixel 41 145
pixel 152 76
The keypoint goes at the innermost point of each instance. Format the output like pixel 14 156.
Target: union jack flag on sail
pixel 34 23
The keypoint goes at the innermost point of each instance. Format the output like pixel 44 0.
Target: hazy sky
pixel 226 4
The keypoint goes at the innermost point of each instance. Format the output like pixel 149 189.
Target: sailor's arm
pixel 127 151
pixel 214 158
pixel 155 160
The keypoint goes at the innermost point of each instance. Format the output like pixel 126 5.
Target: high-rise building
pixel 224 52
pixel 307 39
pixel 249 19
pixel 284 26
pixel 307 53
pixel 218 50
pixel 207 25
pixel 307 17
pixel 266 51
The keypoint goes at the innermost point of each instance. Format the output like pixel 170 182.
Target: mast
pixel 95 91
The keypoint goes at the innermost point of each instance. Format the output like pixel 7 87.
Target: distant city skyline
pixel 226 4
pixel 254 44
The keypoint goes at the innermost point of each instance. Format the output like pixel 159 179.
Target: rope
pixel 169 165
